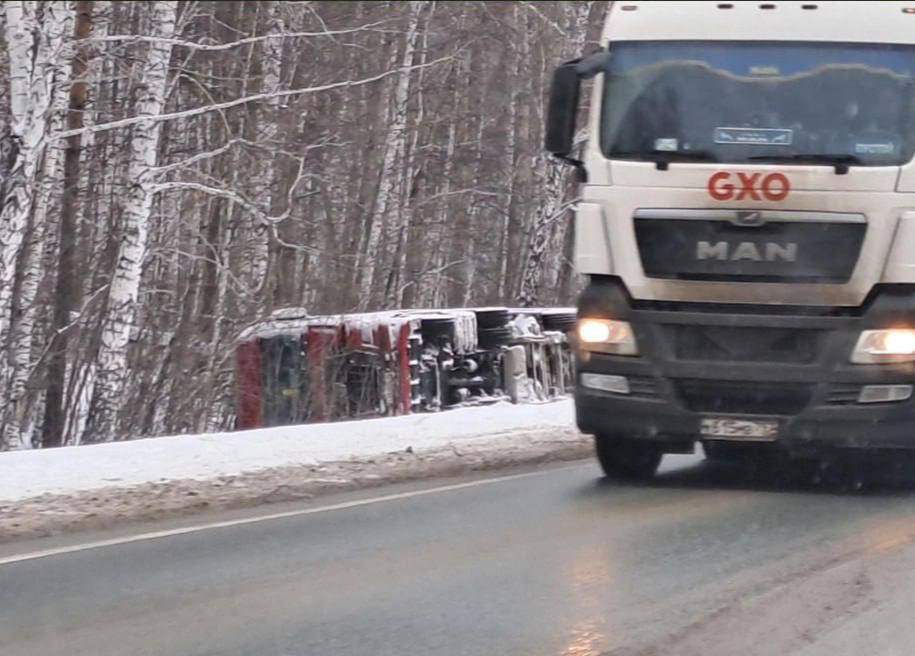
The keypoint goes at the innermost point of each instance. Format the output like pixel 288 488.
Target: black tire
pixel 561 322
pixel 627 460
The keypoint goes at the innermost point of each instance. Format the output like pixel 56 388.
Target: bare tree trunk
pixel 394 144
pixel 21 152
pixel 36 37
pixel 268 129
pixel 111 372
pixel 473 219
pixel 66 287
pixel 529 148
pixel 20 404
pixel 510 174
pixel 213 405
pixel 410 186
pixel 431 281
pixel 550 209
pixel 567 277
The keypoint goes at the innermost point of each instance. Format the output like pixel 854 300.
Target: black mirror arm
pixel 593 65
pixel 581 173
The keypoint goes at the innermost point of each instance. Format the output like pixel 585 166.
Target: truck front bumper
pixel 692 365
pixel 813 430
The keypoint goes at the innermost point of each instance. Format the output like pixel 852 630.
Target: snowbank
pixel 25 474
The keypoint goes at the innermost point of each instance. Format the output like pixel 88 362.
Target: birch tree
pixel 409 185
pixel 36 34
pixel 42 238
pixel 123 294
pixel 511 128
pixel 65 271
pixel 432 275
pixel 265 178
pixel 395 141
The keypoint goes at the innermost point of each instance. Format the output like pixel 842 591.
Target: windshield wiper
pixel 662 158
pixel 840 162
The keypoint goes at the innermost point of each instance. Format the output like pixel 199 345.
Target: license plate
pixel 764 430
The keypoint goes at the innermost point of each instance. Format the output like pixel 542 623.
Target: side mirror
pixel 563 105
pixel 562 108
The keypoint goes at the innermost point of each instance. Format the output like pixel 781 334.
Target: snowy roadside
pixel 47 491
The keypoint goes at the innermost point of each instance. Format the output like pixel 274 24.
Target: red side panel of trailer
pixel 320 343
pixel 249 381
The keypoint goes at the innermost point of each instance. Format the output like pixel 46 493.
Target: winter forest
pixel 171 172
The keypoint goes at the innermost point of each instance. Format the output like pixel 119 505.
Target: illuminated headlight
pixel 883 346
pixel 607 335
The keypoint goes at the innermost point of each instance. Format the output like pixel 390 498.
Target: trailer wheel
pixel 626 459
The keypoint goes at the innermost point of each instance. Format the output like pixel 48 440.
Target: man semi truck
pixel 747 227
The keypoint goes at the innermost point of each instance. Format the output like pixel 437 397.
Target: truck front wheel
pixel 627 459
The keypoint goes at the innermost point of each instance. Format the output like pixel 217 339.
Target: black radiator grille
pixel 788 251
pixel 744 398
pixel 739 344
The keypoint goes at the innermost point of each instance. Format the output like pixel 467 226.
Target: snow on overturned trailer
pixel 298 368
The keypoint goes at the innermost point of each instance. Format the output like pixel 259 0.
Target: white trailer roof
pixel 857 22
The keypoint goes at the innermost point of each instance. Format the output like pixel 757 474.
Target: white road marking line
pixel 155 535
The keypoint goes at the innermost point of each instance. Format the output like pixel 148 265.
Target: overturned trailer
pixel 297 368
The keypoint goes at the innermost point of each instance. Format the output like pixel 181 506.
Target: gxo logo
pixel 773 186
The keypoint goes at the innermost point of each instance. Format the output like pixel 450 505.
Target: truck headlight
pixel 885 346
pixel 607 336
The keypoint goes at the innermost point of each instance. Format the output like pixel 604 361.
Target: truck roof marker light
pixel 908 10
pixel 726 5
pixel 767 6
pixel 808 7
pixel 629 7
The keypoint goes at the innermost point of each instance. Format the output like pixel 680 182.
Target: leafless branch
pixel 199 157
pixel 206 109
pixel 66 328
pixel 185 185
pixel 546 19
pixel 219 47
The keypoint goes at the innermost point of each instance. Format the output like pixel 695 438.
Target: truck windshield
pixel 750 102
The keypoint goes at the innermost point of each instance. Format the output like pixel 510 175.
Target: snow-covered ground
pixel 25 474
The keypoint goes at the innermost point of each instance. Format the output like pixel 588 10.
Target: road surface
pixel 550 561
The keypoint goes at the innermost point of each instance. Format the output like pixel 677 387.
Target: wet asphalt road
pixel 706 560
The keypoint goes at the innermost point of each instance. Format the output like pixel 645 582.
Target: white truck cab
pixel 747 224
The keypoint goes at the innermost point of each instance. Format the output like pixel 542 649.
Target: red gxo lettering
pixel 719 188
pixel 775 186
pixel 746 185
pixel 750 186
